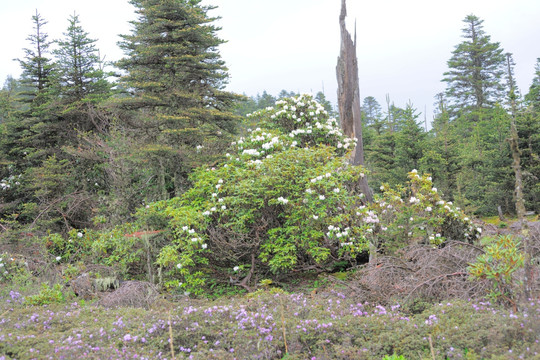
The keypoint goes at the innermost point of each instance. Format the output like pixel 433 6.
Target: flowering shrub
pixel 121 248
pixel 71 248
pixel 284 200
pixel 415 214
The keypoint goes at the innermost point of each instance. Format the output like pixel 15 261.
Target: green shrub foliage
pixel 416 214
pixel 47 295
pixel 285 201
pixel 501 259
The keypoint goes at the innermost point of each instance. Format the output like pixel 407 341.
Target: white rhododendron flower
pixel 282 200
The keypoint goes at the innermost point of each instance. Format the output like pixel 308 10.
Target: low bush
pixel 272 325
pixel 47 295
pixel 501 259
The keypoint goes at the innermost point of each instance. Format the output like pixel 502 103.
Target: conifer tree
pixel 475 69
pixel 34 90
pixel 321 99
pixel 441 155
pixel 410 141
pixel 60 101
pixel 37 66
pixel 528 127
pixel 17 144
pixel 266 100
pixel 533 97
pixel 381 159
pixel 178 108
pixel 372 114
pixel 80 67
pixel 8 99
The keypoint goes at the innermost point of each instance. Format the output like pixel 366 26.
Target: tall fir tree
pixel 410 141
pixel 533 96
pixel 372 114
pixel 37 64
pixel 178 109
pixel 60 103
pixel 475 70
pixel 8 99
pixel 441 155
pixel 266 100
pixel 321 99
pixel 81 80
pixel 528 127
pixel 18 144
pixel 38 70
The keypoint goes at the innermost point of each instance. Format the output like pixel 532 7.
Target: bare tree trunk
pixel 520 203
pixel 349 96
pixel 390 122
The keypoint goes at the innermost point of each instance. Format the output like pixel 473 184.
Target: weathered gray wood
pixel 501 215
pixel 518 187
pixel 349 95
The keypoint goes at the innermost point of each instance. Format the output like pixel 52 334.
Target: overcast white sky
pixel 403 46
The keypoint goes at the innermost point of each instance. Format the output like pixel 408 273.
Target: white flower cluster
pixel 6 184
pixel 338 233
pixel 371 218
pixel 194 239
pixel 219 201
pixel 5 272
pixel 435 238
pixel 306 120
pixel 414 200
pixel 320 177
pixel 269 145
pixel 252 152
pixel 295 132
pixel 257 145
pixel 282 200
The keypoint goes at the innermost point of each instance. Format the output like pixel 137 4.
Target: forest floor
pixel 422 311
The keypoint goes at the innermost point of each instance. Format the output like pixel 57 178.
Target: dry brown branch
pixel 431 348
pixel 433 281
pixel 422 271
pixel 282 311
pixel 171 337
pixel 131 294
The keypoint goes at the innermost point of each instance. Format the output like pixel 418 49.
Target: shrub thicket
pixel 285 201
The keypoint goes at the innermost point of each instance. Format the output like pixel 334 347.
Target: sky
pixel 402 46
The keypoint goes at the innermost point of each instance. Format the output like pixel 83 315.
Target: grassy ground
pixel 268 324
pixel 495 220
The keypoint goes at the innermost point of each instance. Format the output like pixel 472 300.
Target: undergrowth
pixel 269 324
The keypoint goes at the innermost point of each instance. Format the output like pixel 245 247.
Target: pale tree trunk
pixel 520 203
pixel 349 96
pixel 349 105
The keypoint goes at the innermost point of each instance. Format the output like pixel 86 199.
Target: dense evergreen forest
pixel 78 143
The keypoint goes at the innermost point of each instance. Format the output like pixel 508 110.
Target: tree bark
pixel 520 203
pixel 349 96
